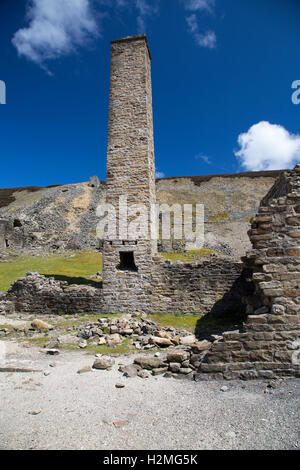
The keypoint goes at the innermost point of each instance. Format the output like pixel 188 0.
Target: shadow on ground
pixel 82 281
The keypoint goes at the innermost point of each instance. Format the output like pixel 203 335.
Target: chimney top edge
pixel 133 38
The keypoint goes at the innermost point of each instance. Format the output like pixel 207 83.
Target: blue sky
pixel 222 75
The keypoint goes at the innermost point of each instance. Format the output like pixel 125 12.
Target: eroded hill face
pixel 65 216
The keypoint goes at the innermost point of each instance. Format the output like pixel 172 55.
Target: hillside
pixel 65 216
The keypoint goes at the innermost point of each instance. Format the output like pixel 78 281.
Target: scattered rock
pixel 52 344
pixel 159 371
pixel 143 374
pixel 85 369
pixel 162 342
pixel 177 356
pixel 191 339
pixel 120 424
pixel 149 362
pixel 34 412
pixel 103 363
pixel 41 325
pixel 203 345
pixel 130 371
pixel 52 352
pixel 119 385
pixel 224 388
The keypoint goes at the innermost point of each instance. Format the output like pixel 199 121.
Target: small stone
pixel 34 412
pixel 224 388
pixel 84 370
pixel 53 344
pixel 185 370
pixel 130 370
pixel 52 352
pixel 41 325
pixel 191 339
pixel 102 341
pixel 174 366
pixel 119 385
pixel 103 364
pixel 161 342
pixel 115 338
pixel 161 334
pixel 272 384
pixel 177 356
pixel 82 344
pixel 143 374
pixel 159 371
pixel 203 345
pixel 120 424
pixel 149 362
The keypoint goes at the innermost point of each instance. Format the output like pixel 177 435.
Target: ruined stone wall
pixel 269 344
pixel 130 173
pixel 215 286
pixel 37 294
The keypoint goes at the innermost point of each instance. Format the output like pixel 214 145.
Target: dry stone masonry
pixel 270 342
pixel 37 294
pixel 130 173
pixel 213 286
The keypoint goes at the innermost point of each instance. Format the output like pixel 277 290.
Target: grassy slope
pixel 69 267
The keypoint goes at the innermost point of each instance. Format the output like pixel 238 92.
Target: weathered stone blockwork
pixel 37 294
pixel 10 235
pixel 130 173
pixel 215 286
pixel 270 342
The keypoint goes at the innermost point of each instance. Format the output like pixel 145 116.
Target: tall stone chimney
pixel 127 260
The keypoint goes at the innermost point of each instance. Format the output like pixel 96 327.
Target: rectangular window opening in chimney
pixel 127 262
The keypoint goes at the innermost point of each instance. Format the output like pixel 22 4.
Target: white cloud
pixel 159 174
pixel 207 39
pixel 268 147
pixel 205 158
pixel 56 28
pixel 199 5
pixel 145 9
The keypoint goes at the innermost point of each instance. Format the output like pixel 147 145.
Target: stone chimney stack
pixel 127 260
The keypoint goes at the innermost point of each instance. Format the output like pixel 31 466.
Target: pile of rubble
pixel 178 363
pixel 142 332
pixel 182 359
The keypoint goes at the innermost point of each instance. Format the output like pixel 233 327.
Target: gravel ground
pixel 88 412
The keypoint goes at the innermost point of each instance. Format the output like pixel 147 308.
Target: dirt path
pixel 88 412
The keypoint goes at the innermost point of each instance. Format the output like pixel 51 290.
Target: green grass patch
pixel 186 322
pixel 121 348
pixel 71 267
pixel 37 342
